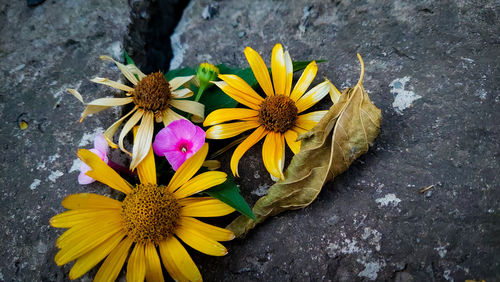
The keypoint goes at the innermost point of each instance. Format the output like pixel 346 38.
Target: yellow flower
pixel 153 97
pixel 151 220
pixel 276 116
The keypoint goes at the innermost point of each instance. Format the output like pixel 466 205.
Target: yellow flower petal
pixel 177 82
pixel 126 72
pixel 299 130
pixel 241 85
pixel 334 92
pixel 237 95
pixel 136 265
pixel 71 218
pixel 92 238
pixel 200 242
pixel 169 116
pixel 290 137
pixel 112 83
pixel 153 265
pixel 143 140
pixel 192 107
pixel 213 232
pixel 312 96
pixel 91 109
pixel 102 172
pixel 205 208
pixel 110 132
pixel 200 182
pixel 289 73
pixel 259 70
pixel 84 263
pixel 223 115
pixel 253 138
pixel 188 168
pixel 309 120
pixel 111 267
pixel 273 154
pixel 77 94
pixel 79 231
pixel 90 201
pixel 147 168
pixel 228 130
pixel 278 69
pixel 136 117
pixel 304 81
pixel 177 261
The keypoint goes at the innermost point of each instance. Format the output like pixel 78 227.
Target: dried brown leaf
pixel 343 135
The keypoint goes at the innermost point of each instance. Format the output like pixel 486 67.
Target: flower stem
pixel 198 96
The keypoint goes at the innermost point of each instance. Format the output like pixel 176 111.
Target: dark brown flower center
pixel 152 92
pixel 278 113
pixel 150 213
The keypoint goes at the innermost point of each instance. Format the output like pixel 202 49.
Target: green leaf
pixel 128 60
pixel 180 72
pixel 229 193
pixel 300 65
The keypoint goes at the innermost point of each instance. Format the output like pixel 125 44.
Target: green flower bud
pixel 206 72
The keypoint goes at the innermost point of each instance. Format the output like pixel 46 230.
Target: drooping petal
pixel 241 85
pixel 334 92
pixel 103 173
pixel 309 120
pixel 143 140
pixel 177 82
pixel 91 109
pixel 188 169
pixel 304 81
pixel 136 71
pixel 228 130
pixel 278 69
pixel 289 73
pixel 182 93
pixel 200 242
pixel 112 83
pixel 203 207
pixel 272 154
pixel 253 138
pixel 126 72
pixel 110 132
pixel 153 264
pixel 192 107
pixel 111 267
pixel 259 70
pixel 169 115
pixel 200 183
pixel 136 265
pixel 223 115
pixel 76 94
pixel 177 261
pixel 84 263
pixel 133 120
pixel 312 96
pixel 213 232
pixel 238 95
pixel 90 201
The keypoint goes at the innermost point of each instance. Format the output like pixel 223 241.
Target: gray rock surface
pixel 432 67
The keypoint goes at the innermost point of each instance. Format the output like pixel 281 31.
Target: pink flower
pixel 101 149
pixel 178 141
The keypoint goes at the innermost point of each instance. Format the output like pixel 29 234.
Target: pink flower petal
pixel 178 141
pixel 82 178
pixel 101 144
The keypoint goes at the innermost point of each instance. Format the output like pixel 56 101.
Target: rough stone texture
pixel 432 67
pixel 43 51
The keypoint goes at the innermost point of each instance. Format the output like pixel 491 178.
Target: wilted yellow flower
pixel 153 97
